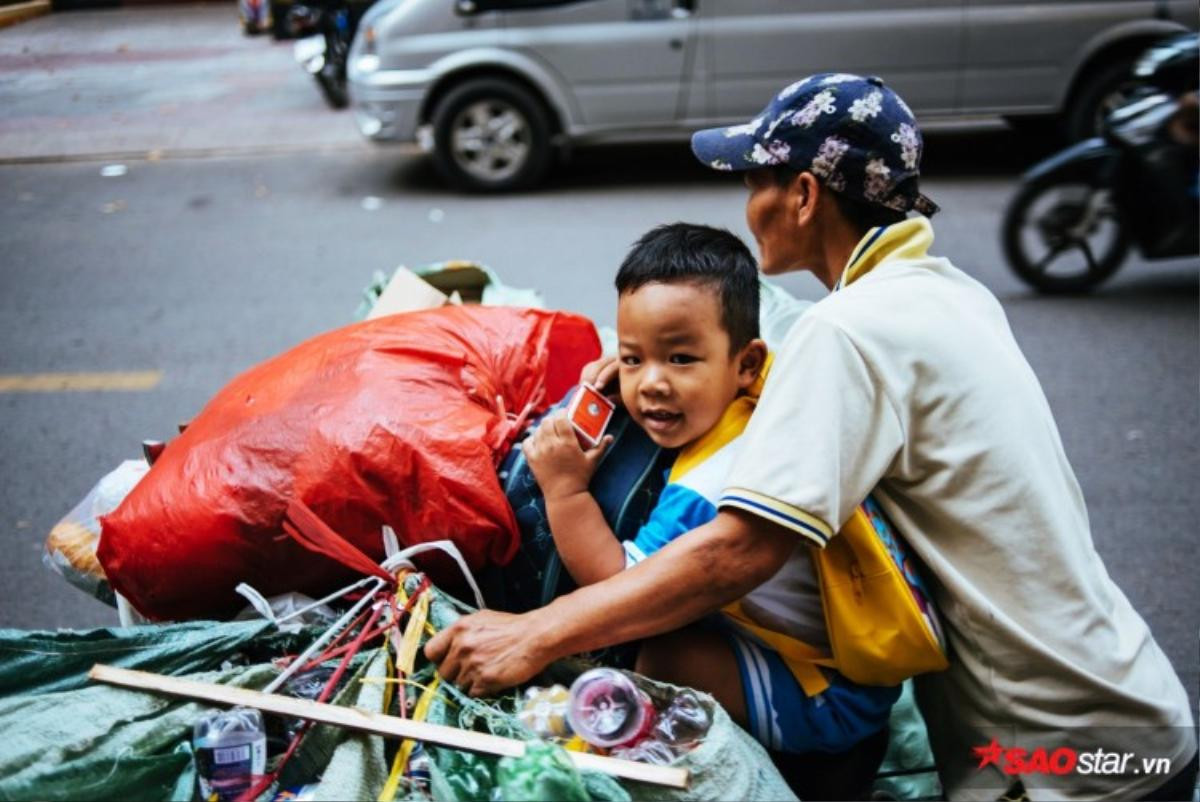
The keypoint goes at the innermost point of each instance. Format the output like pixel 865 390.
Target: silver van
pixel 495 87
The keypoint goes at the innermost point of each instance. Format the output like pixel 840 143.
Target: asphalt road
pixel 249 217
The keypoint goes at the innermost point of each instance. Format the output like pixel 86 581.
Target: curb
pixel 11 15
pixel 177 154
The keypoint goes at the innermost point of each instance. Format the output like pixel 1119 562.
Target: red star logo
pixel 990 754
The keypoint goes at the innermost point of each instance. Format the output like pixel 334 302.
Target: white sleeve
pixel 822 436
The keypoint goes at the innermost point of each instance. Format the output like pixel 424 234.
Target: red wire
pixel 263 784
pixel 336 651
pixel 353 648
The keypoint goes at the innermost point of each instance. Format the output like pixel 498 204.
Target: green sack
pixel 66 738
pixel 42 662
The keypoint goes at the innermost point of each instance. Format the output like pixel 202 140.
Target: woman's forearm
pixel 689 578
pixel 588 548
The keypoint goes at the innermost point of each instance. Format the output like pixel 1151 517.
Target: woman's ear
pixel 804 192
pixel 750 362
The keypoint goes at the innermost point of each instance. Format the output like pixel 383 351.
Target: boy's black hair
pixel 861 214
pixel 686 252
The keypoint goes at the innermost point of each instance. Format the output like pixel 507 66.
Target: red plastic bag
pixel 397 421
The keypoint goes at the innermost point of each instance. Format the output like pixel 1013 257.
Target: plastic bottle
pixel 607 709
pixel 684 723
pixel 647 750
pixel 419 773
pixel 544 712
pixel 231 752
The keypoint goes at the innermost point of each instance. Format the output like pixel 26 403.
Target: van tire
pixel 526 136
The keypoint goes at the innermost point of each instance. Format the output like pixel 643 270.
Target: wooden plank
pixel 377 723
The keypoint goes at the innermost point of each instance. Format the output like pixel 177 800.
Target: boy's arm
pixel 588 547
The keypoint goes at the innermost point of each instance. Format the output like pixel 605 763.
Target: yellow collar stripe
pixel 731 424
pixel 909 239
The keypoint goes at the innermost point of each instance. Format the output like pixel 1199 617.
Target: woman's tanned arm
pixel 690 577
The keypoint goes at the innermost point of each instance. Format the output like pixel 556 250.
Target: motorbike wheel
pixel 1095 96
pixel 332 82
pixel 491 135
pixel 1063 236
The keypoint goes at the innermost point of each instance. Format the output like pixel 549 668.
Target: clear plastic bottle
pixel 231 752
pixel 606 709
pixel 685 722
pixel 544 712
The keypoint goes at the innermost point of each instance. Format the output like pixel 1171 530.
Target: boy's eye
pixel 683 359
pixel 631 361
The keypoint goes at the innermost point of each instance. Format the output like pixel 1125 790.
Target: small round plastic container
pixel 606 709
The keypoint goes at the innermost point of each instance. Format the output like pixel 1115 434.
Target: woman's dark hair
pixel 712 257
pixel 861 214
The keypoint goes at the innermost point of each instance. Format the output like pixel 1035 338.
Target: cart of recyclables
pixel 73 737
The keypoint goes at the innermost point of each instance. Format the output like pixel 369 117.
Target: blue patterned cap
pixel 853 133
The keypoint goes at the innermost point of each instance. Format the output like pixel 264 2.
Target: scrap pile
pixel 377 455
pixel 138 744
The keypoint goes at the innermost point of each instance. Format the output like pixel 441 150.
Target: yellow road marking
pixel 128 381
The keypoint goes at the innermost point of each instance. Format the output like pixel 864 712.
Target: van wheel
pixel 491 135
pixel 1097 94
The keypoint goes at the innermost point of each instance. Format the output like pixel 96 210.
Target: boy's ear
pixel 750 362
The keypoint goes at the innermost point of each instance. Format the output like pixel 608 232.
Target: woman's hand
pixel 559 463
pixel 488 652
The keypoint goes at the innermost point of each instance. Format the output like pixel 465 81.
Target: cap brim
pixel 923 205
pixel 724 149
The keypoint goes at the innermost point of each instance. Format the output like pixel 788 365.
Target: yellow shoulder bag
pixel 882 624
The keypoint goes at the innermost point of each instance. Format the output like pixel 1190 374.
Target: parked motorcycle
pixel 323 55
pixel 1072 222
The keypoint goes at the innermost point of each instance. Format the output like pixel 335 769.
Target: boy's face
pixel 677 375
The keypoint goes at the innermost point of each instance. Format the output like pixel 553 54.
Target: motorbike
pixel 323 55
pixel 1076 215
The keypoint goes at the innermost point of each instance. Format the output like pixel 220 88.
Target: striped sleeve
pixel 777 511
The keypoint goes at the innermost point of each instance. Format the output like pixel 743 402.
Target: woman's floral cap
pixel 853 133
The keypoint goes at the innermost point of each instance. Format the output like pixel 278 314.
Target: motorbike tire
pixel 1097 94
pixel 333 87
pixel 530 122
pixel 1033 271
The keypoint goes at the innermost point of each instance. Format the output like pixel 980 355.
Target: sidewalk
pixel 156 82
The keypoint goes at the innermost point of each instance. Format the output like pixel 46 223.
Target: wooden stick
pixel 353 718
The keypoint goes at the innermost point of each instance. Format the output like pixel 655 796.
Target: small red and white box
pixel 589 412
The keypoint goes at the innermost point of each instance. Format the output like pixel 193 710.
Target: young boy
pixel 691 367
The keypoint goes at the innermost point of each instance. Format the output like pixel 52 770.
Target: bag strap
pixel 307 529
pixel 801 659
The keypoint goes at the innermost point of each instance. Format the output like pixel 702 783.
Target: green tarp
pixel 68 739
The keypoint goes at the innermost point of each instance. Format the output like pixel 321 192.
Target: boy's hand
pixel 602 374
pixel 559 463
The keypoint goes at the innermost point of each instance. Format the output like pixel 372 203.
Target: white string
pixel 320 642
pixel 263 606
pixel 400 558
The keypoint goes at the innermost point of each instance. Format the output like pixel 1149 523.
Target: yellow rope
pixel 388 689
pixel 406 747
pixel 412 635
pixel 446 700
